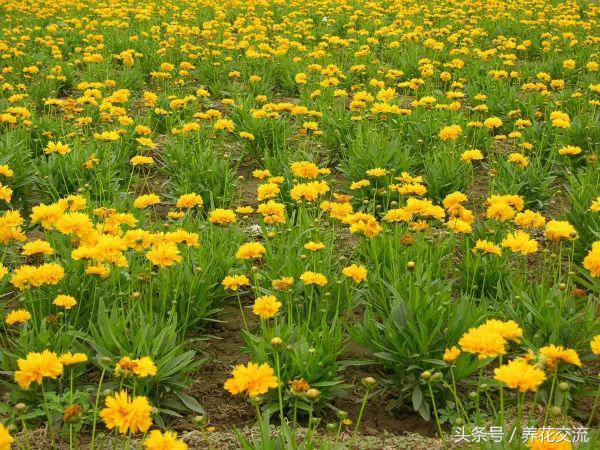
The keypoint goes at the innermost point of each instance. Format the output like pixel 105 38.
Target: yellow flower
pixel 282 284
pixel 6 171
pixel 164 254
pixel 471 155
pixel 519 374
pixel 591 261
pixel 143 201
pixel 530 219
pixel 64 301
pixel 356 272
pixel 486 247
pixel 484 342
pixel 569 150
pixel 69 358
pixel 266 306
pixel 17 316
pixel 377 172
pixel 314 246
pixel 125 414
pixel 143 367
pixel 549 439
pixel 305 169
pixel 450 133
pixel 559 229
pixel 6 440
pixel 164 441
pixel 140 160
pixel 252 380
pixel 595 345
pixel 518 159
pixel 221 216
pixel 554 354
pixel 451 354
pixel 37 366
pixel 520 242
pixel 235 282
pixel 37 247
pixel 190 200
pixel 313 278
pixel 251 250
pixel 57 147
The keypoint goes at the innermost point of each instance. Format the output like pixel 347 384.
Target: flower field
pixel 304 224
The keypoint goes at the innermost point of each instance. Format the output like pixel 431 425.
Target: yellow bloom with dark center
pixel 266 306
pixel 37 366
pixel 519 374
pixel 251 379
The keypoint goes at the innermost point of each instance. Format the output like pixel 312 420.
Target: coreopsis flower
pixel 450 133
pixel 3 271
pixel 6 171
pixel 560 119
pixel 6 440
pixel 234 282
pixel 509 329
pixel 143 201
pixel 37 366
pixel 125 414
pixel 57 147
pixel 266 191
pixel 191 200
pixel 143 367
pixel 17 316
pixel 164 441
pixel 486 247
pixel 492 122
pixel 570 150
pixel 314 246
pixel 282 284
pixel 251 250
pixel 64 301
pixel 47 215
pixel 224 124
pixel 221 216
pixel 313 278
pixel 357 272
pixel 25 277
pixel 299 386
pixel 519 374
pixel 305 169
pixel 69 359
pixel 251 379
pixel 266 306
pixel 591 262
pixel 595 345
pixel 451 354
pixel 5 193
pixel 529 219
pixel 518 159
pixel 520 242
pixel 557 230
pixel 359 184
pixel 458 226
pixel 595 206
pixel 484 342
pixel 164 254
pixel 308 191
pixel 554 354
pixel 471 155
pixel 141 160
pixel 547 438
pixel 377 172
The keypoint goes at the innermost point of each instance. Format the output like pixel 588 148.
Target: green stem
pixel 360 413
pixel 435 414
pixel 96 409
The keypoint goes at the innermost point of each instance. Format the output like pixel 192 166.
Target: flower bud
pixel 369 382
pixel 426 375
pixel 276 342
pixel 563 386
pixel 313 394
